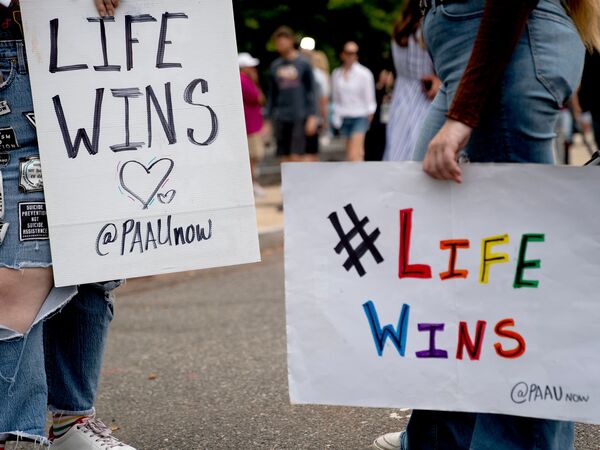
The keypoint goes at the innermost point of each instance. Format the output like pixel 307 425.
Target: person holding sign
pixel 57 363
pixel 499 103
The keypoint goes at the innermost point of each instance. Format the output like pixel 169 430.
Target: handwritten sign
pixel 141 131
pixel 403 291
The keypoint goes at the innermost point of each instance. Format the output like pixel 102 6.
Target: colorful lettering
pixel 380 335
pixel 432 352
pixel 502 332
pixel 488 258
pixel 407 270
pixel 453 246
pixel 465 342
pixel 524 264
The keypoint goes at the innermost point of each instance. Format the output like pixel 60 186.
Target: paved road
pixel 197 361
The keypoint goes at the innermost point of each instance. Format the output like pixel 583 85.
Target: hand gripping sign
pixel 142 138
pixel 403 291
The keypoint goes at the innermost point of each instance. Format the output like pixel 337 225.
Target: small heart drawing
pixel 167 197
pixel 142 182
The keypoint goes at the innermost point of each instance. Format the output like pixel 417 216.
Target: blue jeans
pixel 56 363
pixel 544 72
pixel 74 342
pixel 518 127
pixel 354 125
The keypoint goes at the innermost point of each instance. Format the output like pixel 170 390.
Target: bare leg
pixel 22 294
pixel 355 147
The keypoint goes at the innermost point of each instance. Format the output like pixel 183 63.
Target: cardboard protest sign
pixel 142 137
pixel 403 291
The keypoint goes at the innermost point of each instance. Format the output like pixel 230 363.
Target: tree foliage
pixel 330 22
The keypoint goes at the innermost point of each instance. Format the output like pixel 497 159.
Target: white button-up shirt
pixel 353 93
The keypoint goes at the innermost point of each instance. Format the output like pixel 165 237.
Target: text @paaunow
pixel 138 237
pixel 357 243
pixel 523 393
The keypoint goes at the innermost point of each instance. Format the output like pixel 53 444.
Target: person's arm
pixel 273 93
pixel 106 7
pixel 502 25
pixel 310 86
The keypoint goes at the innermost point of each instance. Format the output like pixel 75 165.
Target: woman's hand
pixel 441 159
pixel 312 126
pixel 431 86
pixel 106 7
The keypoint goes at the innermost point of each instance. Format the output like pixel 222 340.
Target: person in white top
pixel 353 101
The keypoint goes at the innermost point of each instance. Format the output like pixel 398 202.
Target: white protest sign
pixel 142 137
pixel 403 291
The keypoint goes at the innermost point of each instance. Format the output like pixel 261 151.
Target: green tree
pixel 331 23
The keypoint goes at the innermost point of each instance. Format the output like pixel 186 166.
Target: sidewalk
pixel 269 214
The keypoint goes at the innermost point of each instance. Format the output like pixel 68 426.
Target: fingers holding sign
pixel 106 7
pixel 441 160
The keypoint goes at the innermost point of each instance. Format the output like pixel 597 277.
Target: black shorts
pixel 312 143
pixel 291 138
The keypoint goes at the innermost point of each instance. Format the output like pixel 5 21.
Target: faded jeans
pixel 57 362
pixel 518 127
pixel 56 365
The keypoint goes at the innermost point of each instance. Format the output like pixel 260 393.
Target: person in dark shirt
pixel 502 90
pixel 292 102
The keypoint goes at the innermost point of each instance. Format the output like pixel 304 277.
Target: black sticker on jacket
pixel 30 175
pixel 33 222
pixel 8 139
pixel 3 231
pixel 4 108
pixel 30 116
pixel 4 159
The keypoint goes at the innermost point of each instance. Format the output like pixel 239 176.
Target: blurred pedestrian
pixel 589 92
pixel 353 101
pixel 254 99
pixel 415 88
pixel 292 102
pixel 375 140
pixel 320 66
pixel 502 91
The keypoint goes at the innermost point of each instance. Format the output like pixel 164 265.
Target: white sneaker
pixel 390 441
pixel 90 434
